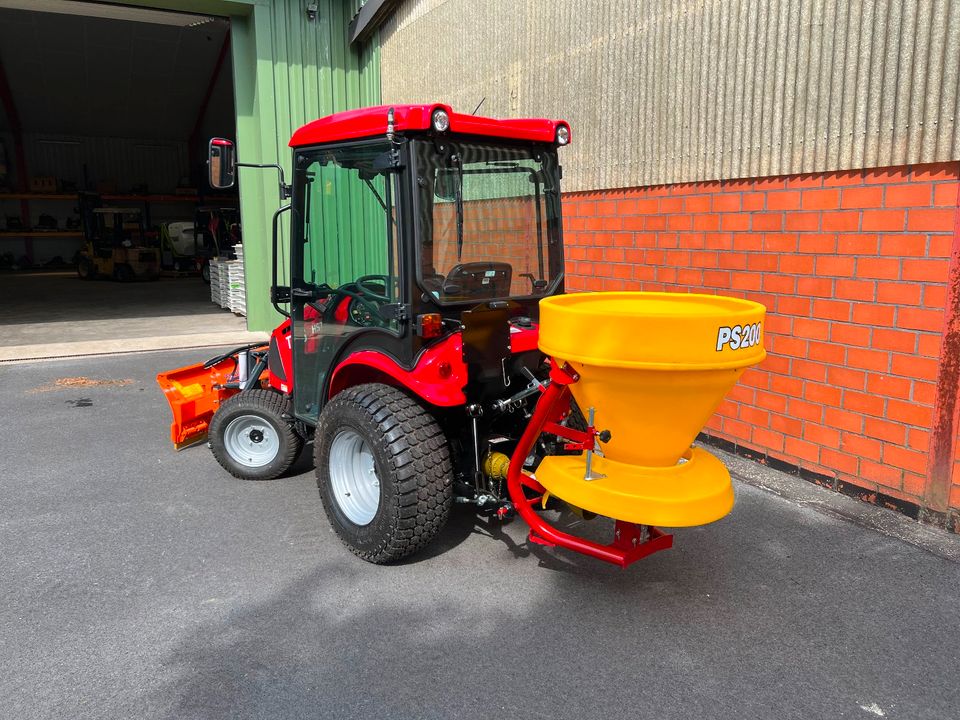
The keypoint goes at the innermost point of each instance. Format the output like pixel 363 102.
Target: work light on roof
pixel 440 120
pixel 563 135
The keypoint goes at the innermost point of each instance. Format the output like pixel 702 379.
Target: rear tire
pixel 86 269
pixel 124 273
pixel 251 438
pixel 384 472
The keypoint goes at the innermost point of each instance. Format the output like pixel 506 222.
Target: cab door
pixel 345 265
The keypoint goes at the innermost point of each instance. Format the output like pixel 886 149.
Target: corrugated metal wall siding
pixel 668 91
pixel 289 70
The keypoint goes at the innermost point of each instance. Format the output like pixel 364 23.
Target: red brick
pixel 882 220
pixel 822 394
pixel 805 222
pixel 753 201
pixel 873 314
pixel 912 195
pixel 823 436
pixel 747 242
pixel 805 410
pixel 813 180
pixel 841 461
pixel 818 287
pixel 931 220
pixel 899 293
pixel 786 425
pixel 924 392
pixel 884 430
pixel 862 197
pixel 935 171
pixel 903 245
pixel 883 474
pixel 802 449
pixel 787 200
pixel 832 309
pixel 826 352
pixel 946 194
pixel 775 283
pixel 811 329
pixel 887 175
pixel 861 446
pixel 863 403
pixel 856 335
pixel 819 244
pixel 920 319
pixel 934 296
pixel 889 385
pixel 764 222
pixel 767 439
pixel 880 268
pixel 787 345
pixel 794 306
pixel 762 262
pixel 769 183
pixel 726 202
pixel 928 346
pixel 735 222
pixel 820 199
pixel 706 222
pixel 786 385
pixel 895 340
pixel 918 439
pixel 835 265
pixel 868 359
pixel 843 419
pixel 806 370
pixel 915 366
pixel 925 270
pixel 862 290
pixel 841 221
pixel 855 244
pixel 847 378
pixel 909 413
pixel 848 177
pixel 906 459
pixel 914 484
pixel 779 243
pixel 696 204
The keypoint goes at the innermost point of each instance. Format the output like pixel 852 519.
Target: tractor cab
pixel 429 354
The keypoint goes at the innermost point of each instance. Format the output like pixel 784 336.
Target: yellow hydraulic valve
pixel 653 367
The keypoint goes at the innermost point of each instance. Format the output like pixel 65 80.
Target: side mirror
pixel 446 185
pixel 222 163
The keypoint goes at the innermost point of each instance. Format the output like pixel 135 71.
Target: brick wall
pixel 853 268
pixel 503 230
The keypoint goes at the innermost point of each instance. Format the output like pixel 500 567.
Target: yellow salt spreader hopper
pixel 648 370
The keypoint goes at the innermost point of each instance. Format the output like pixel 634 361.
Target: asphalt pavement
pixel 138 582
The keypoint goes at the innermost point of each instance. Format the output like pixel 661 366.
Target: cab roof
pixel 372 122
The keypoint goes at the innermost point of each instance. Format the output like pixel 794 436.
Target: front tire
pixel 384 472
pixel 86 270
pixel 251 438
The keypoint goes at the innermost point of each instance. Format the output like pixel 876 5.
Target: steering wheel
pixel 372 294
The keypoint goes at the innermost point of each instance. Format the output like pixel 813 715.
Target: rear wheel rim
pixel 251 441
pixel 353 477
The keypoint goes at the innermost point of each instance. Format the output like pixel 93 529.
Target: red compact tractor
pixel 422 242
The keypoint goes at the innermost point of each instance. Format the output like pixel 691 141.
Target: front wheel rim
pixel 353 477
pixel 251 441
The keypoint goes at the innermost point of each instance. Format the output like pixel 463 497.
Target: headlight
pixel 441 121
pixel 563 135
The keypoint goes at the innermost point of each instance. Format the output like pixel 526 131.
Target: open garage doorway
pixel 107 224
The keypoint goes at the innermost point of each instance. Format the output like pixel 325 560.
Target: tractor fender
pixel 438 377
pixel 280 358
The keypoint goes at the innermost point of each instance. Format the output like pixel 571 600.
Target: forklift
pixel 115 243
pixel 428 352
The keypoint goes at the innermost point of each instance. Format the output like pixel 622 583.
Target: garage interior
pixel 105 116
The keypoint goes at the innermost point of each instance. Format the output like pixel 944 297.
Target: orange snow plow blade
pixel 194 393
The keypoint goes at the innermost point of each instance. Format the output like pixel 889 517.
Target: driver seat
pixel 479 280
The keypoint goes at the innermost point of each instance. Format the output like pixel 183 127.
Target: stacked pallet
pixel 236 287
pixel 217 277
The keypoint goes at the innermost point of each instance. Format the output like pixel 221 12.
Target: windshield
pixel 489 220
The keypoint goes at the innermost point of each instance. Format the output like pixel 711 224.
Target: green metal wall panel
pixel 288 70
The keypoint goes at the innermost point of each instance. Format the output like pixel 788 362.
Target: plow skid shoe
pixel 194 393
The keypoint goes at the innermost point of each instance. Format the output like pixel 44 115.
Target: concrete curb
pixel 47 351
